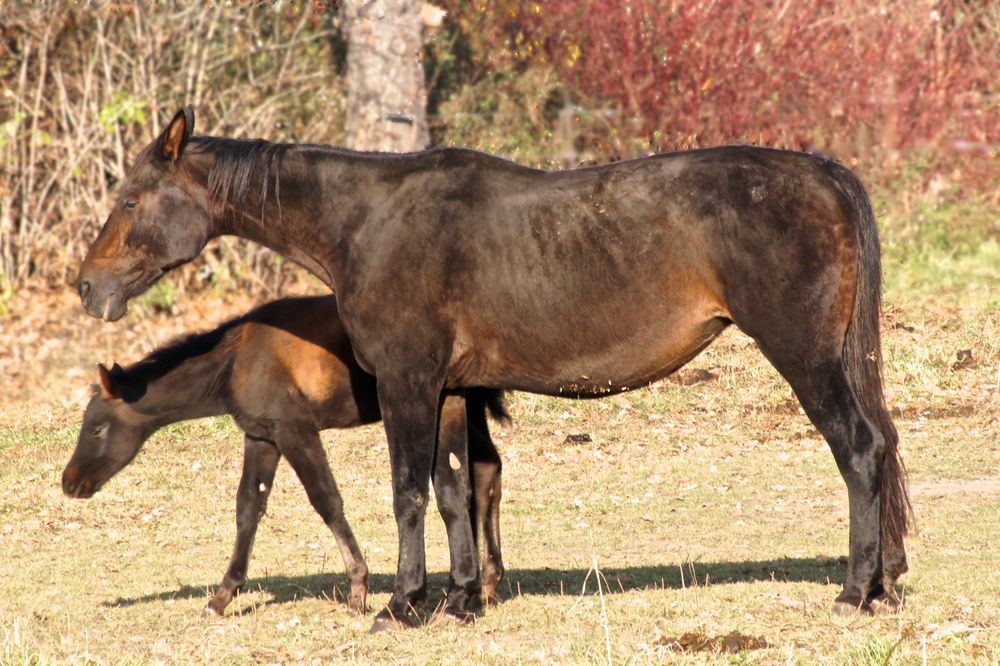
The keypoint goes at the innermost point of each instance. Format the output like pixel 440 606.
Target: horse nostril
pixel 68 484
pixel 84 289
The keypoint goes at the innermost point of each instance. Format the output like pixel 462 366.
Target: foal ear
pixel 174 139
pixel 109 387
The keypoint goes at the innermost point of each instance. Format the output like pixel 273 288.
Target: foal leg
pixel 260 460
pixel 453 491
pixel 300 443
pixel 485 510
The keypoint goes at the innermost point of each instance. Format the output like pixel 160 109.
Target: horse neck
pixel 173 391
pixel 311 210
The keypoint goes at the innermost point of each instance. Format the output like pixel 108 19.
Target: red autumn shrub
pixel 865 83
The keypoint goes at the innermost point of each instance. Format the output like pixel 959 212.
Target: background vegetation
pixel 904 92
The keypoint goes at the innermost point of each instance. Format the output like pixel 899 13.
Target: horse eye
pixel 97 431
pixel 129 204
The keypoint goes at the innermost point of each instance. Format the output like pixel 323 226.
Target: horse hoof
pixel 886 603
pixel 488 593
pixel 452 618
pixel 210 611
pixel 846 609
pixel 357 602
pixel 386 621
pixel 490 598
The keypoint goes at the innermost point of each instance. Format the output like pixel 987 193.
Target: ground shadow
pixel 545 581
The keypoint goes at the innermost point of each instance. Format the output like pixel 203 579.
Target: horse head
pixel 160 220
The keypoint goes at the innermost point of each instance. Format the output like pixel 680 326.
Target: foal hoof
pixel 387 621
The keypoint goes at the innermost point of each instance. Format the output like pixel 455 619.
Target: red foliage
pixel 842 76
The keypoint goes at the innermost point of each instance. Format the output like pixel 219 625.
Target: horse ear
pixel 109 387
pixel 175 137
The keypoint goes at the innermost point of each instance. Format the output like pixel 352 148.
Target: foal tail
pixel 492 400
pixel 863 357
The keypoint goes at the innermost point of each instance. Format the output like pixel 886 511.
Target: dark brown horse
pixel 456 269
pixel 284 371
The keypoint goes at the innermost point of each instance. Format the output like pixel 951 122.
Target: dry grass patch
pixel 715 528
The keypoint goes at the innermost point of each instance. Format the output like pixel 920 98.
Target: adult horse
pixel 456 269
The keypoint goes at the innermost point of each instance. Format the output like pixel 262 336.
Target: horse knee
pixel 409 505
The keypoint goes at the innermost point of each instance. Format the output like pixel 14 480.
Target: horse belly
pixel 585 359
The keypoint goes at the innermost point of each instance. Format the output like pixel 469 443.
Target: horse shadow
pixel 535 582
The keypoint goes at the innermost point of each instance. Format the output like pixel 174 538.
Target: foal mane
pixel 170 356
pixel 240 166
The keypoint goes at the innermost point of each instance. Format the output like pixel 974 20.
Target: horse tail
pixel 863 357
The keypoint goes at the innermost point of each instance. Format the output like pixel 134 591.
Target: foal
pixel 284 371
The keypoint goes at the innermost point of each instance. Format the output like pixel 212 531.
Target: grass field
pixel 705 521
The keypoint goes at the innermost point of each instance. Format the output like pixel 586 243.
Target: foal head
pixel 110 437
pixel 160 220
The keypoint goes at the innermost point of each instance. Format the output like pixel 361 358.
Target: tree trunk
pixel 386 96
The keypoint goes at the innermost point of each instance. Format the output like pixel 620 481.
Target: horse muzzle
pixel 106 304
pixel 76 484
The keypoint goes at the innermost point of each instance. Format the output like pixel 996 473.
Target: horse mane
pixel 239 165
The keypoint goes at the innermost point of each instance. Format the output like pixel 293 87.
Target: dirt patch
pixel 690 377
pixel 732 643
pixel 945 411
pixel 787 407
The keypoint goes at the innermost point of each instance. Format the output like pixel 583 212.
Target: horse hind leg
pixel 824 389
pixel 488 489
pixel 453 490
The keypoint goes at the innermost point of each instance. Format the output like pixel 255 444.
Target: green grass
pixel 711 507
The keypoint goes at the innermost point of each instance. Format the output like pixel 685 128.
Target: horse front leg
pixel 410 414
pixel 260 460
pixel 452 488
